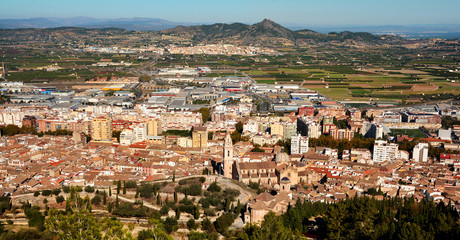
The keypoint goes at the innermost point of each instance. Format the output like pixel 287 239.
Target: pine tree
pixel 118 187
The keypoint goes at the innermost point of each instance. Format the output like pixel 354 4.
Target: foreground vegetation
pixel 353 218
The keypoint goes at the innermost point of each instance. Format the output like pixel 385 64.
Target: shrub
pixel 124 210
pixel 170 224
pixel 89 189
pixel 210 212
pixel 224 222
pixel 56 191
pixel 207 225
pixel 213 187
pixel 191 224
pixel 164 210
pixel 66 189
pixel 96 200
pixel 194 190
pixel 46 193
pixel 60 199
pixel 146 190
pixel 131 184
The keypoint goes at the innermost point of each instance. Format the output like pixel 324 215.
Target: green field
pixel 358 105
pixel 345 82
pixel 413 133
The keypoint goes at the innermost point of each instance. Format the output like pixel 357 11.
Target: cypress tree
pixel 124 188
pixel 118 187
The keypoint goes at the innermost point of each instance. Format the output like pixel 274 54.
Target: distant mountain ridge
pixel 269 32
pixel 138 24
pixel 157 24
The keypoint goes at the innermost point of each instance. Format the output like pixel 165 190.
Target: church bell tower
pixel 228 156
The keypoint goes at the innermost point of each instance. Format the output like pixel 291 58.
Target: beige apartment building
pixel 154 127
pixel 101 129
pixel 200 137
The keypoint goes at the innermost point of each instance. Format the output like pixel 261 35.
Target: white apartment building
pixel 314 130
pixel 384 151
pixel 420 153
pixel 139 132
pixel 299 144
pixel 126 137
pixel 251 127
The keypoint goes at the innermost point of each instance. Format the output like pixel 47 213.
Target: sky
pixel 293 12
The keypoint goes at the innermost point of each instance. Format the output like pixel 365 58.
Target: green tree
pixel 196 214
pixel 224 222
pixel 78 223
pixel 110 207
pixel 158 199
pixel 60 199
pixel 271 228
pixel 207 226
pixel 170 225
pixel 239 127
pixel 214 187
pixel 177 213
pixel 116 134
pixel 124 188
pixel 238 207
pixel 89 189
pixel 46 193
pixel 96 200
pixel 118 187
pixel 56 191
pixel 191 224
pixel 104 198
pixel 210 135
pixel 205 114
pixel 35 217
pixel 412 231
pixel 164 210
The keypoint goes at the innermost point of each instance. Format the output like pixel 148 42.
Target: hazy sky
pixel 304 12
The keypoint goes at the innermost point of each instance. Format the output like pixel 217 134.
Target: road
pixel 24 221
pixel 146 204
pixel 245 194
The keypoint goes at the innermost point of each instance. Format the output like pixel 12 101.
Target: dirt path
pixel 146 204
